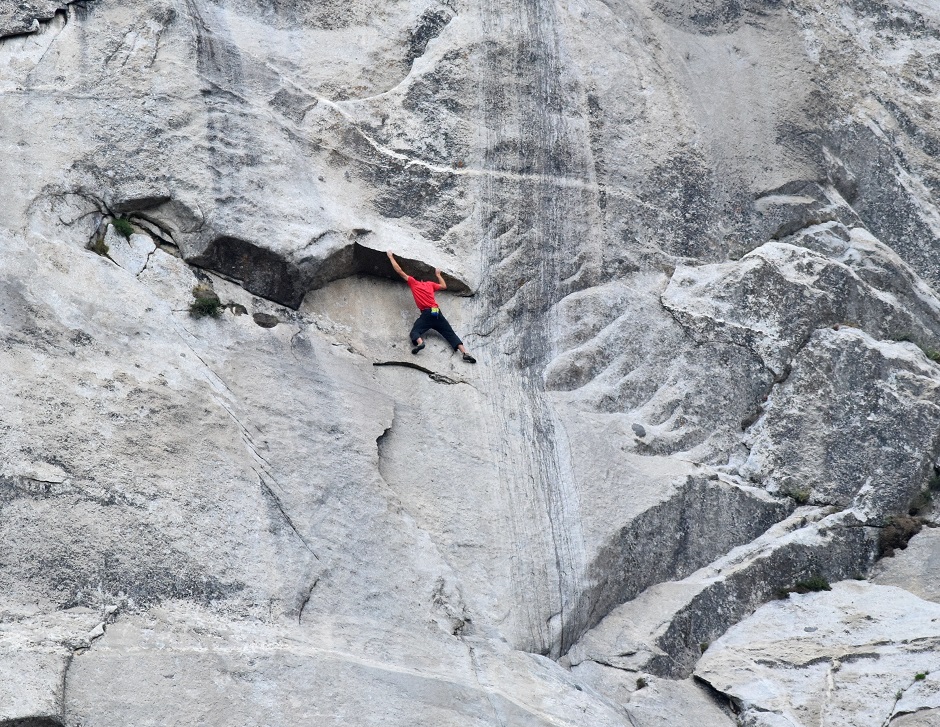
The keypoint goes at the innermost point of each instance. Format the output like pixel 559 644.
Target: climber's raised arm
pixel 440 278
pixel 397 267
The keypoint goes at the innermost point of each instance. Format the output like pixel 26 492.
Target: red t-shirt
pixel 423 292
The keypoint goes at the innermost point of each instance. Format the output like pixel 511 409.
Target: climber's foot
pixel 417 347
pixel 468 358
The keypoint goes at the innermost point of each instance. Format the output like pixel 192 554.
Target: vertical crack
pixel 147 261
pixel 65 674
pixel 475 665
pixel 303 604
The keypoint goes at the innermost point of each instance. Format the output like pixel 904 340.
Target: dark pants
pixel 439 323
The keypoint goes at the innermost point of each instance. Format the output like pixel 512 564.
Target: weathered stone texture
pixel 693 247
pixel 858 655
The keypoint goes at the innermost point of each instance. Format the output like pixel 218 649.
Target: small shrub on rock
pixel 799 494
pixel 920 676
pixel 205 302
pixel 123 226
pixel 812 584
pixel 206 307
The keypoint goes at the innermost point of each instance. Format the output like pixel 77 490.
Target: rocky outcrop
pixel 665 629
pixel 692 246
pixel 914 568
pixel 23 18
pixel 848 400
pixel 858 655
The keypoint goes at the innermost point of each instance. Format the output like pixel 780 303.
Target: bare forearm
pixel 396 266
pixel 440 278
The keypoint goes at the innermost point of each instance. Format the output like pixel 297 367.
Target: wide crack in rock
pixel 433 375
pixel 270 275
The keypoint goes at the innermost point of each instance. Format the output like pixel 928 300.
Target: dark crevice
pixel 896 533
pixel 147 261
pixel 433 375
pixel 724 701
pixel 303 604
pixel 259 271
pixel 430 26
pixel 609 665
pixel 65 680
pixel 381 439
pixel 282 280
pixel 382 445
pixel 140 204
pixel 724 603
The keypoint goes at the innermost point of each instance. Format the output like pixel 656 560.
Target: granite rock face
pixel 693 247
pixel 859 655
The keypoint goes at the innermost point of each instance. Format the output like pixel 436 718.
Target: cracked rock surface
pixel 693 246
pixel 858 655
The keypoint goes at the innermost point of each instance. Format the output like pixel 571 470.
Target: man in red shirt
pixel 431 316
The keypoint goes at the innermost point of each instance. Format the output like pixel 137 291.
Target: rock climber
pixel 431 316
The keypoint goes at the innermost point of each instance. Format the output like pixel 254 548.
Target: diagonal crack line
pixel 265 467
pixel 609 665
pixel 894 706
pixel 44 25
pixel 303 605
pixel 287 518
pixel 247 439
pixel 147 262
pixel 475 666
pixel 219 384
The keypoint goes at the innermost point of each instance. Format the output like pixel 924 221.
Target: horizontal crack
pixel 434 376
pixel 612 666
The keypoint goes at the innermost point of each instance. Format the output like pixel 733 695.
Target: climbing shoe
pixel 418 347
pixel 468 358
